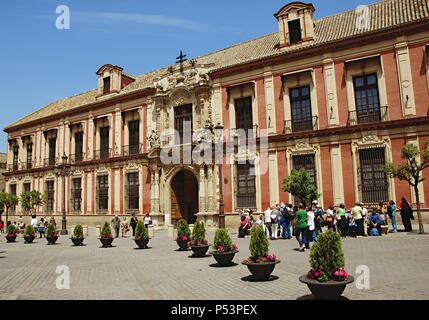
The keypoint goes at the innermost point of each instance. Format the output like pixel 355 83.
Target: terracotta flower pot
pixel 330 290
pixel 10 238
pixel 200 251
pixel 261 271
pixel 106 242
pixel 224 258
pixel 142 242
pixel 52 239
pixel 29 238
pixel 77 241
pixel 183 245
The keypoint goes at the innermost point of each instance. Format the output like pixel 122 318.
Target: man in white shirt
pixel 311 231
pixel 267 221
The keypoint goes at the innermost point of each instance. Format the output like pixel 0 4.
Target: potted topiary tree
pixel 77 237
pixel 198 244
pixel 142 236
pixel 224 250
pixel 327 280
pixel 52 234
pixel 260 264
pixel 183 234
pixel 11 233
pixel 29 234
pixel 106 236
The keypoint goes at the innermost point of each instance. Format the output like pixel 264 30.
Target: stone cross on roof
pixel 180 59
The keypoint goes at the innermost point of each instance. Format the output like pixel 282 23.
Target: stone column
pixel 90 134
pixel 117 147
pixel 141 128
pixel 67 139
pixel 202 195
pixel 210 190
pixel 155 191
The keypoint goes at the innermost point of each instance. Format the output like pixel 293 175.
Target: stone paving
pixel 397 263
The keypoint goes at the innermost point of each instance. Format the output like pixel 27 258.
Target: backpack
pixel 374 232
pixel 273 218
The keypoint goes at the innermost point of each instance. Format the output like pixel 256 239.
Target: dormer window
pixel 295 31
pixel 295 23
pixel 106 85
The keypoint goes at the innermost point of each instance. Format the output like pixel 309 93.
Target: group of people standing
pixel 123 226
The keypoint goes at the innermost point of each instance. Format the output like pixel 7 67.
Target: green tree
pixel 106 232
pixel 8 201
pixel 259 245
pixel 222 239
pixel 199 232
pixel 78 232
pixel 30 200
pixel 183 229
pixel 300 185
pixel 141 231
pixel 411 170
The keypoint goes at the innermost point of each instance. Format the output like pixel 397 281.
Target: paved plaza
pixel 397 263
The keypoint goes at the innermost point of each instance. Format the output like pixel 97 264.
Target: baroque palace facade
pixel 338 96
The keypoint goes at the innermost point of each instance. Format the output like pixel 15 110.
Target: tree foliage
pixel 199 232
pixel 51 230
pixel 259 245
pixel 327 254
pixel 78 232
pixel 141 231
pixel 8 201
pixel 411 170
pixel 183 229
pixel 223 239
pixel 300 184
pixel 11 229
pixel 31 200
pixel 29 230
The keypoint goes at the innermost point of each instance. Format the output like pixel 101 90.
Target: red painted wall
pixel 227 187
pixel 262 115
pixel 225 108
pixel 348 178
pixel 146 189
pixel 402 189
pixel 422 141
pixel 278 104
pixel 392 85
pixel 112 190
pixel 420 84
pixel 340 79
pixel 282 171
pixel 321 97
pixel 328 194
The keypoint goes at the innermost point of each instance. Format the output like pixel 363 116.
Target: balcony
pixel 308 124
pixel 374 116
pixel 49 162
pixel 12 167
pixel 77 158
pixel 103 154
pixel 132 149
pixel 250 133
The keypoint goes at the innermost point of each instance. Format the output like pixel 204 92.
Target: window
pixel 132 191
pixel 15 157
pixel 78 139
pixel 13 192
pixel 134 134
pixel 27 187
pixel 306 162
pixel 50 192
pixel 104 142
pixel 246 186
pixel 77 194
pixel 300 102
pixel 367 98
pixel 106 85
pixel 52 151
pixel 183 123
pixel 374 184
pixel 295 31
pixel 29 156
pixel 243 114
pixel 103 193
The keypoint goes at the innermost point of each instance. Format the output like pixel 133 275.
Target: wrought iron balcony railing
pixel 103 154
pixel 307 124
pixel 50 162
pixel 358 117
pixel 77 158
pixel 132 149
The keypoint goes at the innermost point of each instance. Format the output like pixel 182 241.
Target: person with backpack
pixel 300 227
pixel 318 217
pixel 274 222
pixel 343 223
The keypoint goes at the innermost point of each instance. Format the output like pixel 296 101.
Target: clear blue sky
pixel 40 64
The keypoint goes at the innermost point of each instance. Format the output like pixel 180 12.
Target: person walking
pixel 34 223
pixel 41 228
pixel 124 227
pixel 343 223
pixel 282 220
pixel 116 225
pixel 147 220
pixel 274 222
pixel 133 223
pixel 358 219
pixel 406 215
pixel 311 229
pixel 267 221
pixel 391 211
pixel 329 218
pixel 318 216
pixel 300 226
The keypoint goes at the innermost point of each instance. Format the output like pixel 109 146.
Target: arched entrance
pixel 184 197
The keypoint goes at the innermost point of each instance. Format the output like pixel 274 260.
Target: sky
pixel 40 63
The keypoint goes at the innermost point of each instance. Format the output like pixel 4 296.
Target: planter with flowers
pixel 77 237
pixel 327 280
pixel 142 236
pixel 224 250
pixel 29 234
pixel 183 235
pixel 260 264
pixel 52 234
pixel 106 237
pixel 198 244
pixel 11 232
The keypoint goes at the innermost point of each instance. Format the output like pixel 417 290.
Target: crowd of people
pixel 305 223
pixel 123 227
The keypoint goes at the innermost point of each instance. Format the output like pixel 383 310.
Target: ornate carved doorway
pixel 184 197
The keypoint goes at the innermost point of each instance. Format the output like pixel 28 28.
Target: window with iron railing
pixel 27 187
pixel 367 99
pixel 302 117
pixel 50 196
pixel 244 113
pixel 308 163
pixel 103 193
pixel 13 191
pixel 246 186
pixel 15 158
pixel 29 156
pixel 77 194
pixel 104 143
pixel 134 137
pixel 132 191
pixel 374 183
pixel 52 151
pixel 78 149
